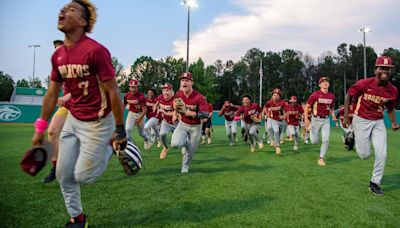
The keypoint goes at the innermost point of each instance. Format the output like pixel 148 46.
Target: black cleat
pixel 73 223
pixel 52 176
pixel 374 188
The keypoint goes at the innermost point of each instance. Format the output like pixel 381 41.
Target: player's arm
pixel 140 118
pixel 49 103
pixel 346 119
pixel 306 114
pixel 221 111
pixel 392 117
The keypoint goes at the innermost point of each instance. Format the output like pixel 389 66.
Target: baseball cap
pixel 187 75
pixel 293 99
pixel 167 86
pixel 36 158
pixel 133 82
pixel 384 61
pixel 277 90
pixel 323 78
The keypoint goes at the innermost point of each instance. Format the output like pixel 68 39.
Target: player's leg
pixel 362 134
pixel 68 155
pixel 130 121
pixel 316 124
pixel 234 130
pixel 296 137
pixel 180 136
pixel 325 133
pixel 228 130
pixel 55 127
pixel 379 142
pixel 165 129
pixel 203 132
pixel 193 137
pixel 143 133
pixel 208 131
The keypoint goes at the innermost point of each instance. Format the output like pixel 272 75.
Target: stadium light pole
pixel 189 4
pixel 34 46
pixel 365 30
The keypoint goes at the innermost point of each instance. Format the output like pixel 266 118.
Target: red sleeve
pixel 105 69
pixel 357 89
pixel 142 101
pixel 54 76
pixel 311 100
pixel 202 103
pixel 300 109
pixel 391 104
pixel 125 99
pixel 210 108
pixel 239 111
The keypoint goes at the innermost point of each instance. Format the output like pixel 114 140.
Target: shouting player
pixel 187 133
pixel 294 111
pixel 372 96
pixel 152 125
pixel 86 68
pixel 228 110
pixel 322 104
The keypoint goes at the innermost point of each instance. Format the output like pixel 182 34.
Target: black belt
pixel 322 117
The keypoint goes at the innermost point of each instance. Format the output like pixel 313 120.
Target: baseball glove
pixel 130 158
pixel 179 106
pixel 255 119
pixel 349 141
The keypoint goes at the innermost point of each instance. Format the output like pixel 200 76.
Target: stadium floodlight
pixel 189 4
pixel 34 46
pixel 365 30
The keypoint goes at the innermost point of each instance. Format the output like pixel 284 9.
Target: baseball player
pixel 340 115
pixel 251 115
pixel 372 96
pixel 275 109
pixel 165 107
pixel 322 103
pixel 152 125
pixel 206 128
pixel 305 133
pixel 188 131
pixel 228 110
pixel 293 113
pixel 86 68
pixel 135 101
pixel 56 125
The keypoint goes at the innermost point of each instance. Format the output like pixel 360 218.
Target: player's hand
pixel 119 138
pixel 345 122
pixel 395 126
pixel 138 122
pixel 37 139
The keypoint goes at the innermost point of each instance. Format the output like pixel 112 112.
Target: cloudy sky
pixel 220 29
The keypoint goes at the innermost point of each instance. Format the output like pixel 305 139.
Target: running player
pixel 251 115
pixel 86 68
pixel 293 112
pixel 305 133
pixel 275 108
pixel 165 107
pixel 228 110
pixel 152 125
pixel 56 125
pixel 349 129
pixel 206 128
pixel 372 96
pixel 187 133
pixel 136 103
pixel 322 103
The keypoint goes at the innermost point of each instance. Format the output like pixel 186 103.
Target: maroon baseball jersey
pixel 167 106
pixel 194 102
pixel 294 118
pixel 135 101
pixel 275 109
pixel 321 103
pixel 372 99
pixel 150 104
pixel 248 111
pixel 82 68
pixel 229 112
pixel 340 115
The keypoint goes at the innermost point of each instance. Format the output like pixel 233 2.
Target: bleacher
pixel 23 95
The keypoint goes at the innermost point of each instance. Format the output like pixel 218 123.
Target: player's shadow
pixel 342 159
pixel 392 182
pixel 181 213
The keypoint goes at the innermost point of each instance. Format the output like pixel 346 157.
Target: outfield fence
pixel 28 113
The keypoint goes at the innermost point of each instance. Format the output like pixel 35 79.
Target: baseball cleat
pixel 185 168
pixel 164 153
pixel 278 150
pixel 260 145
pixel 74 223
pixel 209 141
pixel 295 147
pixel 374 188
pixel 51 177
pixel 252 148
pixel 321 162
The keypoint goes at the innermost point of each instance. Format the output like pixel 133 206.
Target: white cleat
pixel 295 147
pixel 260 145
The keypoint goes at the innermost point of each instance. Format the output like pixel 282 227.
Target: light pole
pixel 34 46
pixel 189 4
pixel 365 30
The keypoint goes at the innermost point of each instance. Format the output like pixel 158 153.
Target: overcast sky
pixel 220 29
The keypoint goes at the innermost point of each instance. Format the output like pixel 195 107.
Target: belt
pixel 321 117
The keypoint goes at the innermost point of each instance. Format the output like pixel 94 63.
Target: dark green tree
pixel 6 86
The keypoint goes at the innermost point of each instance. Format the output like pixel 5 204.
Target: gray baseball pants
pixel 165 129
pixel 275 129
pixel 130 122
pixel 188 136
pixel 320 124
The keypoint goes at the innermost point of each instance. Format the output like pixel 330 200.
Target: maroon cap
pixel 187 75
pixel 321 79
pixel 293 99
pixel 133 82
pixel 167 86
pixel 36 158
pixel 277 90
pixel 384 61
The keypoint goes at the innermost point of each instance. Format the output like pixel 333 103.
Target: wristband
pixel 120 130
pixel 41 125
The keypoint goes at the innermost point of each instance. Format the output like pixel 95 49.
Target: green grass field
pixel 226 187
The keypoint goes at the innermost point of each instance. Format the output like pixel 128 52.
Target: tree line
pixel 294 72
